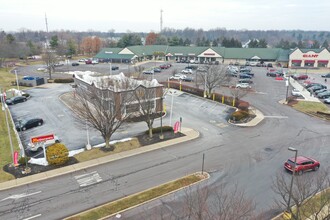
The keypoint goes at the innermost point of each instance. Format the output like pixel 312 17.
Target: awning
pixel 309 61
pixel 323 61
pixel 296 61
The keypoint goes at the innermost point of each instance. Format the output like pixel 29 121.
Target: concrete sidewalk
pixel 304 92
pixel 190 134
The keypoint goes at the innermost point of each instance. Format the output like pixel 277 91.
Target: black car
pixel 312 84
pixel 157 70
pixel 316 87
pixel 16 99
pixel 75 64
pixel 324 95
pixel 114 68
pixel 244 76
pixel 22 125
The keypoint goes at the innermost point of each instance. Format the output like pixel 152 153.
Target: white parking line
pixel 274 116
pixel 32 217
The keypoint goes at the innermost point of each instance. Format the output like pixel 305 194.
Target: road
pixel 250 157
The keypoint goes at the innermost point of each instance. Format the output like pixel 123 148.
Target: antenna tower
pixel 161 20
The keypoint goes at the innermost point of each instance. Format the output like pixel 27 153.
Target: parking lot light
pixel 293 173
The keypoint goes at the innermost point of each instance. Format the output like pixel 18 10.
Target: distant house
pixel 113 90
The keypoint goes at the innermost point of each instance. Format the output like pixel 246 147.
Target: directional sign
pixel 42 138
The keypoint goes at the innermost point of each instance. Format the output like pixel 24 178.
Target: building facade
pixel 121 95
pixel 309 58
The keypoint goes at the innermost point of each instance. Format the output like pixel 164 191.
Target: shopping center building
pixel 296 58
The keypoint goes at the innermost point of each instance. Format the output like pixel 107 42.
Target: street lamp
pixel 161 136
pixel 172 93
pixel 293 173
pixel 16 80
pixel 287 84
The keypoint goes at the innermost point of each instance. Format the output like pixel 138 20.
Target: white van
pixel 38 146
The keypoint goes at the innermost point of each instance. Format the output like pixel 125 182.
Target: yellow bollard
pixel 213 96
pixel 168 83
pixel 233 102
pixel 223 99
pixel 180 86
pixel 164 108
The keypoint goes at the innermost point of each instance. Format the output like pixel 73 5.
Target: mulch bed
pixel 143 139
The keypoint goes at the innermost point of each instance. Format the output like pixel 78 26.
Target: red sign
pixel 15 158
pixel 176 127
pixel 310 55
pixel 42 138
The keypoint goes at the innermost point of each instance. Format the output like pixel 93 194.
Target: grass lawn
pixel 309 107
pixel 139 198
pixel 97 152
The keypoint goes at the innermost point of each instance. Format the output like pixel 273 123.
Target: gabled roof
pixel 248 53
pixel 306 50
pixel 148 49
pixel 186 51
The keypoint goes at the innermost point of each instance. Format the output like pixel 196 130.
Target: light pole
pixel 172 93
pixel 287 84
pixel 161 136
pixel 16 80
pixel 293 173
pixel 205 85
pixel 88 146
pixel 110 69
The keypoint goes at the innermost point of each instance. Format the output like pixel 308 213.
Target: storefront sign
pixel 310 55
pixel 178 54
pixel 209 54
pixel 42 138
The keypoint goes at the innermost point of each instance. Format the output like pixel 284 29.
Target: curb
pixel 124 210
pixel 190 135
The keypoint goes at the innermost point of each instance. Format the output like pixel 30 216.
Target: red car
pixel 303 164
pixel 300 77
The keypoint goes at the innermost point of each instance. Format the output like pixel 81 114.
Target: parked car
pixel 75 64
pixel 249 81
pixel 157 70
pixel 324 95
pixel 326 75
pixel 178 77
pixel 42 69
pixel 275 73
pixel 295 92
pixel 303 164
pixel 58 64
pixel 22 125
pixel 300 76
pixel 311 84
pixel 114 68
pixel 326 101
pixel 243 86
pixel 316 87
pixel 88 61
pixel 164 66
pixel 148 72
pixel 244 76
pixel 82 60
pixel 320 91
pixel 187 71
pixel 15 100
pixel 188 79
pixel 269 65
pixel 95 61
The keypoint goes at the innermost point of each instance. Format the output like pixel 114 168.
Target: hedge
pixel 63 80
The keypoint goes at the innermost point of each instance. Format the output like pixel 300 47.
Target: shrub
pixel 64 80
pixel 21 160
pixel 57 154
pixel 244 106
pixel 157 130
pixel 239 115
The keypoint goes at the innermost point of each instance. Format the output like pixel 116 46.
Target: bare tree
pixel 238 93
pixel 101 107
pixel 213 76
pixel 147 97
pixel 303 193
pixel 50 59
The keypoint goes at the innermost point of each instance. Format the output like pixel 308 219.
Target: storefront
pixel 309 58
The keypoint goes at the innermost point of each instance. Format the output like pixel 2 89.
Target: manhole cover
pixel 268 149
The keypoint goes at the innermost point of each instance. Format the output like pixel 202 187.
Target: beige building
pixel 115 89
pixel 309 58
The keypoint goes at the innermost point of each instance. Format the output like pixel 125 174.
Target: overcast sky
pixel 144 15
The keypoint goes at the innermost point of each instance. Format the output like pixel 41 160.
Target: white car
pixel 295 92
pixel 187 71
pixel 243 86
pixel 178 77
pixel 42 69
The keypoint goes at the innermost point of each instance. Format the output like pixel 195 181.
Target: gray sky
pixel 144 15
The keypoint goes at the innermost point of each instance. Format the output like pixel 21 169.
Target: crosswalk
pixel 88 179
